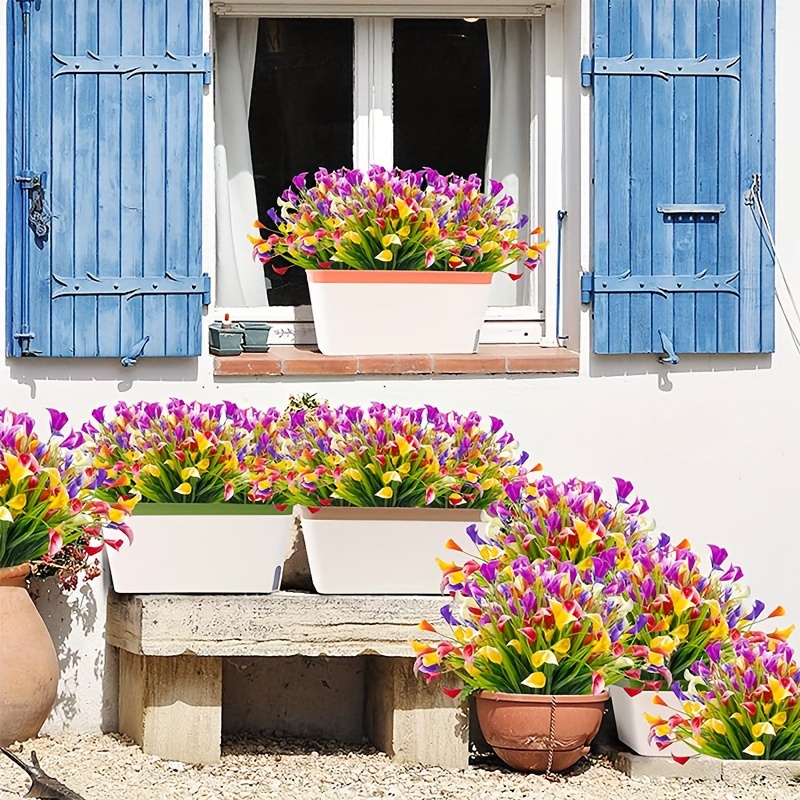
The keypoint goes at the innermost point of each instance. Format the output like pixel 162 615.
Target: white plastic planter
pixel 632 727
pixel 203 549
pixel 383 550
pixel 360 312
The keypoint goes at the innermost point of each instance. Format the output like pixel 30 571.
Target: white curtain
pixel 508 150
pixel 240 280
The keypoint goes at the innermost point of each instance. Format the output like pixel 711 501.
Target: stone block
pixel 172 706
pixel 411 721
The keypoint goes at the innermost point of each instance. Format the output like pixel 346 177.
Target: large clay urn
pixel 28 663
pixel 523 728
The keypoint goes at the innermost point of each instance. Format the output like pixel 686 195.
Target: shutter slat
pixel 132 175
pixel 176 187
pixel 86 121
pixel 619 208
pixel 684 188
pixel 109 163
pixel 38 158
pixel 602 182
pixel 730 190
pixel 194 228
pixel 768 136
pixel 641 177
pixel 750 281
pixel 707 176
pixel 683 116
pixel 155 211
pixel 662 169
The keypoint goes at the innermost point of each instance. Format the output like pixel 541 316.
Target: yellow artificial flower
pixel 492 653
pixel 763 729
pixel 779 719
pixel 755 749
pixel 536 680
pixel 779 693
pixel 562 618
pixel 184 488
pixel 384 255
pixel 16 471
pixel 385 493
pixel 17 503
pixel 585 534
pixel 543 657
pixel 562 647
pixel 679 602
pixel 189 472
pixel 718 726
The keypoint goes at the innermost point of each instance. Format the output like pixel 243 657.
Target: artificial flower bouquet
pixel 390 456
pixel 571 521
pixel 679 609
pixel 528 627
pixel 181 452
pixel 395 220
pixel 744 707
pixel 49 517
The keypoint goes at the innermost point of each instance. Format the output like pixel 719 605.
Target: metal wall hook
pixel 670 356
pixel 137 351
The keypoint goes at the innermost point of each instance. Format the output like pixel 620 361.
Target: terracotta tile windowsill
pixel 489 360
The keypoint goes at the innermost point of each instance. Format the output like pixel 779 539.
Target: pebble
pixel 111 767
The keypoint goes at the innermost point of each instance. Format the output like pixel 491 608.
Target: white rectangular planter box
pixel 359 312
pixel 632 727
pixel 203 549
pixel 383 550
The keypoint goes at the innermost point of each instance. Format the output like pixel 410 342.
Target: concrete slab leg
pixel 413 722
pixel 172 706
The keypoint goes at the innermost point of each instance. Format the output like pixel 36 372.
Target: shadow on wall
pixel 28 371
pixel 601 366
pixel 76 622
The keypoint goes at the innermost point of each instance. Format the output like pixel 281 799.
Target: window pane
pixel 301 116
pixel 441 95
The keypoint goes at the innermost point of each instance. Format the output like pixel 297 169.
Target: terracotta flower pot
pixel 518 727
pixel 28 663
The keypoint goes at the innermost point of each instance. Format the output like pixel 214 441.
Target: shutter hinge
pixel 587 287
pixel 587 68
pixel 206 289
pixel 209 63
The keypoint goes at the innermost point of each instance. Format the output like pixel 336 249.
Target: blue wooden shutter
pixel 105 113
pixel 684 97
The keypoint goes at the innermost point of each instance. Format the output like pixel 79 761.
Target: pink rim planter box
pixel 383 550
pixel 199 548
pixel 385 312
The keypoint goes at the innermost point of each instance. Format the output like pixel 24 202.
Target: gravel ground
pixel 111 768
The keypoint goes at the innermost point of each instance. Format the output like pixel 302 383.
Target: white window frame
pixel 535 321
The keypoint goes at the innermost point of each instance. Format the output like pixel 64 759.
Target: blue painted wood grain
pixel 122 162
pixel 708 181
pixel 641 175
pixel 662 246
pixel 731 192
pixel 689 139
pixel 619 202
pixel 602 183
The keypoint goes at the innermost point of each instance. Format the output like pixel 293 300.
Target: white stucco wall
pixel 713 443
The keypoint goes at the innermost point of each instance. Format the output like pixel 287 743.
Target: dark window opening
pixel 442 89
pixel 301 117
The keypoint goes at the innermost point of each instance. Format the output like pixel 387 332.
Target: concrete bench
pixel 171 649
